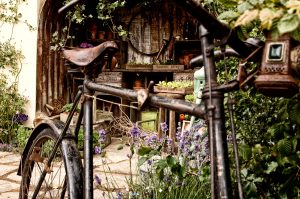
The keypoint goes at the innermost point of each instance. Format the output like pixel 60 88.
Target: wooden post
pixel 161 119
pixel 172 125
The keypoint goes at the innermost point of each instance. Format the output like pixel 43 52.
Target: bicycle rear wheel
pixel 63 178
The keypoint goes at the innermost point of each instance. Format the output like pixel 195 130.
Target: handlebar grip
pixel 66 7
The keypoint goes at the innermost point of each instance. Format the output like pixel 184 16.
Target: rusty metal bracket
pixel 143 95
pixel 36 157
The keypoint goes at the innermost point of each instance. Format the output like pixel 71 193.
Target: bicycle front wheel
pixel 63 178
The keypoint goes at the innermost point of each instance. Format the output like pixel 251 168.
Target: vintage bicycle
pixel 53 143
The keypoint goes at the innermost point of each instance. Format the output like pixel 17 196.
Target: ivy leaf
pixel 271 167
pixel 285 146
pixel 243 7
pixel 294 113
pixel 244 172
pixel 247 17
pixel 228 15
pixel 246 152
pixel 296 34
pixel 288 23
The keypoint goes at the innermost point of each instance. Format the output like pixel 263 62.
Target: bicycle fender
pixel 56 125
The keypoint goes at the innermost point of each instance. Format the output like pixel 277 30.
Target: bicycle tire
pixel 53 186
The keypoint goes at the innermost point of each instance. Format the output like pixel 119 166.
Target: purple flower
pixel 152 139
pixel 135 132
pixel 85 45
pixel 97 180
pixel 119 196
pixel 20 117
pixel 143 135
pixel 169 144
pixel 134 194
pixel 102 135
pixel 97 150
pixel 167 179
pixel 149 162
pixel 164 126
pixel 197 136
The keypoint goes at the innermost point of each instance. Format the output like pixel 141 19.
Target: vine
pixel 11 114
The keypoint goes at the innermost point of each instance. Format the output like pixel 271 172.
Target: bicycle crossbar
pixel 177 105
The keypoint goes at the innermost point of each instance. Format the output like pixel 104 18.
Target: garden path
pixel 114 172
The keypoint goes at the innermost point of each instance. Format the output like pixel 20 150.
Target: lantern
pixel 276 77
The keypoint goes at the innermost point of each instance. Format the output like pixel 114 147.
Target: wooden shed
pixel 162 39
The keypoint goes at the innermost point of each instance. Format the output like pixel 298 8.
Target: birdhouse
pixel 276 77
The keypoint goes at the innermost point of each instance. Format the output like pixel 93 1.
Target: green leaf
pixel 141 161
pixel 170 160
pixel 244 6
pixel 285 146
pixel 228 15
pixel 244 172
pixel 296 34
pixel 294 113
pixel 144 150
pixel 271 167
pixel 246 152
pixel 288 23
pixel 160 173
pixel 161 164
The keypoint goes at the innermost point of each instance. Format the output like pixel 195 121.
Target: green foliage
pixel 267 132
pixel 10 57
pixel 23 134
pixel 8 110
pixel 81 139
pixel 175 84
pixel 167 177
pixel 68 108
pixel 9 11
pixel 278 17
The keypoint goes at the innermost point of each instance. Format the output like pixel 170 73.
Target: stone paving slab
pixel 10 159
pixel 5 169
pixel 117 160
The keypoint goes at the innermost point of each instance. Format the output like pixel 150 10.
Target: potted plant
pixel 179 87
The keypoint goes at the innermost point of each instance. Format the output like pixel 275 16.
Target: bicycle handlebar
pixel 198 61
pixel 66 7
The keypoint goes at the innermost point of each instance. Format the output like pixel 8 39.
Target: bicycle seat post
pixel 88 139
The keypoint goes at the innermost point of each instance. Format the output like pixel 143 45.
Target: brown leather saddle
pixel 88 56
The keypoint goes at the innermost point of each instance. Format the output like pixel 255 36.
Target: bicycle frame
pixel 212 111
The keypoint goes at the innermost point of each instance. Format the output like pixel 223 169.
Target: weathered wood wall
pixel 50 68
pixel 148 26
